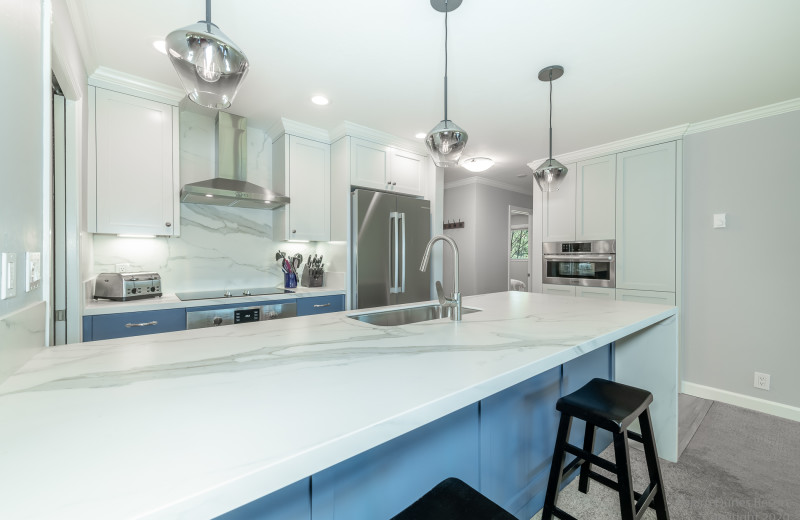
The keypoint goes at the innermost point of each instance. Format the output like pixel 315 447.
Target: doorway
pixel 520 238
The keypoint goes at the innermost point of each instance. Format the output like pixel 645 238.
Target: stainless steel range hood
pixel 229 187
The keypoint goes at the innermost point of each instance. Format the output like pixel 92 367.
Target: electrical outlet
pixel 8 280
pixel 761 381
pixel 122 268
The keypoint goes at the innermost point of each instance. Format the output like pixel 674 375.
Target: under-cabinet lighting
pixel 337 242
pixel 299 241
pixel 209 195
pixel 136 236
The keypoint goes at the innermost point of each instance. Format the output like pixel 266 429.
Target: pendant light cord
pixel 445 62
pixel 551 114
pixel 208 15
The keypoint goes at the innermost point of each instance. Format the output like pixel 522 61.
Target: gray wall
pixel 735 319
pixel 21 177
pixel 482 243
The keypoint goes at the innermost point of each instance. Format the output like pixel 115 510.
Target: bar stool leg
pixel 588 446
pixel 556 467
pixel 626 502
pixel 653 467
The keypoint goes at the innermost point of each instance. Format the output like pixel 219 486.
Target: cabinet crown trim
pixel 348 128
pixel 287 126
pixel 745 116
pixel 124 83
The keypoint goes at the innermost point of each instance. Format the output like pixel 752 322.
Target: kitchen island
pixel 197 423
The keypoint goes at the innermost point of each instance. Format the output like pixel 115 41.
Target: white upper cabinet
pixel 646 194
pixel 406 171
pixel 382 167
pixel 558 213
pixel 301 169
pixel 594 198
pixel 133 165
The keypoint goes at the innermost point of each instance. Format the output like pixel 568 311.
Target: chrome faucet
pixel 454 302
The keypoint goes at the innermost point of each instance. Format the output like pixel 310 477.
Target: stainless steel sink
pixel 407 315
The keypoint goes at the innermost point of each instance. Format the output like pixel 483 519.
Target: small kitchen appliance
pixel 587 264
pixel 127 286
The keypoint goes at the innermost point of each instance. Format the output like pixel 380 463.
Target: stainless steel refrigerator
pixel 390 233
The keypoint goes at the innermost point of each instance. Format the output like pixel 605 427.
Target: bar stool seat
pixel 613 407
pixel 453 499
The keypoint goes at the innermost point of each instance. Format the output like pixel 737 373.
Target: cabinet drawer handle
pixel 146 324
pixel 318 305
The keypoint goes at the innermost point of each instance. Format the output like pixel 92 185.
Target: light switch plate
pixel 719 220
pixel 33 271
pixel 8 280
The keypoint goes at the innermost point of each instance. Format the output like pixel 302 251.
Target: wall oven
pixel 587 264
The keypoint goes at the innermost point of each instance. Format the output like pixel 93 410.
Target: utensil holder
pixel 289 280
pixel 311 278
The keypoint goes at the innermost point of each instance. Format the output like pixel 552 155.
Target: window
pixel 519 244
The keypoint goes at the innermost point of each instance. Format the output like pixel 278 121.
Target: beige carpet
pixel 738 465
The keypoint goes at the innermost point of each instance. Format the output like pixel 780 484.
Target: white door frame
pixel 526 211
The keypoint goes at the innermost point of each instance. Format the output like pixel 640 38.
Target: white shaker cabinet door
pixel 135 165
pixel 369 163
pixel 406 171
pixel 309 180
pixel 558 213
pixel 558 290
pixel 598 293
pixel 594 198
pixel 645 217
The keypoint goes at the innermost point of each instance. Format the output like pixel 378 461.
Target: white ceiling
pixel 632 66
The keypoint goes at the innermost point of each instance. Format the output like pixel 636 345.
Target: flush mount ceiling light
pixel 160 46
pixel 421 135
pixel 447 140
pixel 320 100
pixel 210 66
pixel 550 173
pixel 477 164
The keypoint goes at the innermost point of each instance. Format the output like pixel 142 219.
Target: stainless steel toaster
pixel 127 286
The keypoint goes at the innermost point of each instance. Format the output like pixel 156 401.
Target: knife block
pixel 311 280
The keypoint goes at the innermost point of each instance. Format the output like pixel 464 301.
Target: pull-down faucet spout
pixel 453 303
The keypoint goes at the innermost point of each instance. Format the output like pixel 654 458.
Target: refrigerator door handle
pixel 402 217
pixel 394 220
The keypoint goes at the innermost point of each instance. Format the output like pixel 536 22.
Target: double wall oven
pixel 587 264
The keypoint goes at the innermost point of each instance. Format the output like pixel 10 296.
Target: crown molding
pixel 745 116
pixel 631 143
pixel 126 83
pixel 488 182
pixel 288 126
pixel 348 128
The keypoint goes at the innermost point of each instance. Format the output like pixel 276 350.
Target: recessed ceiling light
pixel 477 164
pixel 160 46
pixel 421 135
pixel 320 100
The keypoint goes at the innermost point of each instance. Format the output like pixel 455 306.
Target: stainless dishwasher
pixel 198 319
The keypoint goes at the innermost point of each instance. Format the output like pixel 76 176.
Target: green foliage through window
pixel 519 244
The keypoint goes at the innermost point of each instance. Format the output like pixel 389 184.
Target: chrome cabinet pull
pixel 146 324
pixel 318 305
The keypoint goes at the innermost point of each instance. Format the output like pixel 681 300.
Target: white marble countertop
pixel 195 423
pixel 170 301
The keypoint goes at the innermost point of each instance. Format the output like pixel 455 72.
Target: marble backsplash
pixel 219 247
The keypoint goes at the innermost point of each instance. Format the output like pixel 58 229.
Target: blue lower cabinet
pixel 290 503
pixel 127 324
pixel 383 481
pixel 320 304
pixel 518 433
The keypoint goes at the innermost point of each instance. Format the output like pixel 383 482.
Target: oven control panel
pixel 202 317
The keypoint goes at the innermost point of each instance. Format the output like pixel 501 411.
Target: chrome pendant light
pixel 550 173
pixel 447 140
pixel 210 66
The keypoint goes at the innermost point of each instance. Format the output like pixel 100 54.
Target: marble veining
pixel 196 423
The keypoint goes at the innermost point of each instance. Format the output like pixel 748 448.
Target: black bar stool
pixel 613 407
pixel 452 499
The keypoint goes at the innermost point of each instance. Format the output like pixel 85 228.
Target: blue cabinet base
pixel 501 446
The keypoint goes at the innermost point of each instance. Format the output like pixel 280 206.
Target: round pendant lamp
pixel 447 140
pixel 210 66
pixel 550 173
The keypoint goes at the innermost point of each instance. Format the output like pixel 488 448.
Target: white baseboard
pixel 745 401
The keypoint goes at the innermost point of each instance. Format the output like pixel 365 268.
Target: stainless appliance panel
pixel 372 256
pixel 415 231
pixel 585 264
pixel 217 317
